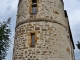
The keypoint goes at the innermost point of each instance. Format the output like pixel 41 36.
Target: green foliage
pixel 78 45
pixel 5 33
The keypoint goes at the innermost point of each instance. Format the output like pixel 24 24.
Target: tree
pixel 5 33
pixel 78 45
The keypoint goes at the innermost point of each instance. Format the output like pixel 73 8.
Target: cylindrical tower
pixel 42 31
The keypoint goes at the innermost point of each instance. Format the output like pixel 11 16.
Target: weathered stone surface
pixel 47 42
pixel 51 31
pixel 37 28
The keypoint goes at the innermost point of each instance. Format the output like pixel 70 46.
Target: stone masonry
pixel 52 32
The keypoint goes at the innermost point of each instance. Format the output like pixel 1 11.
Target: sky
pixel 8 8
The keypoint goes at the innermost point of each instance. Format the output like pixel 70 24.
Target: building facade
pixel 42 31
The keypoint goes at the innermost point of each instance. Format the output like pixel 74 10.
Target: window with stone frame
pixel 34 7
pixel 32 39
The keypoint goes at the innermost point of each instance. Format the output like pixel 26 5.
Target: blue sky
pixel 8 8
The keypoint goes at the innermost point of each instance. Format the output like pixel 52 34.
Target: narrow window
pixel 32 40
pixel 34 1
pixel 34 9
pixel 34 6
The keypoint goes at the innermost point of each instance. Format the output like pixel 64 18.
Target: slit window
pixel 34 6
pixel 32 40
pixel 34 9
pixel 34 1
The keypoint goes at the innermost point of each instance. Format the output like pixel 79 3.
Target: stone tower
pixel 42 31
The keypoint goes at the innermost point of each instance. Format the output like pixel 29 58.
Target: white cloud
pixel 7 8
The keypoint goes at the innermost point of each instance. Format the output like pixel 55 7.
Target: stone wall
pixel 52 42
pixel 52 38
pixel 46 9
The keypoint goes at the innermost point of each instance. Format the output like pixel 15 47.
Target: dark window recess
pixel 32 40
pixel 65 12
pixel 34 1
pixel 34 6
pixel 34 9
